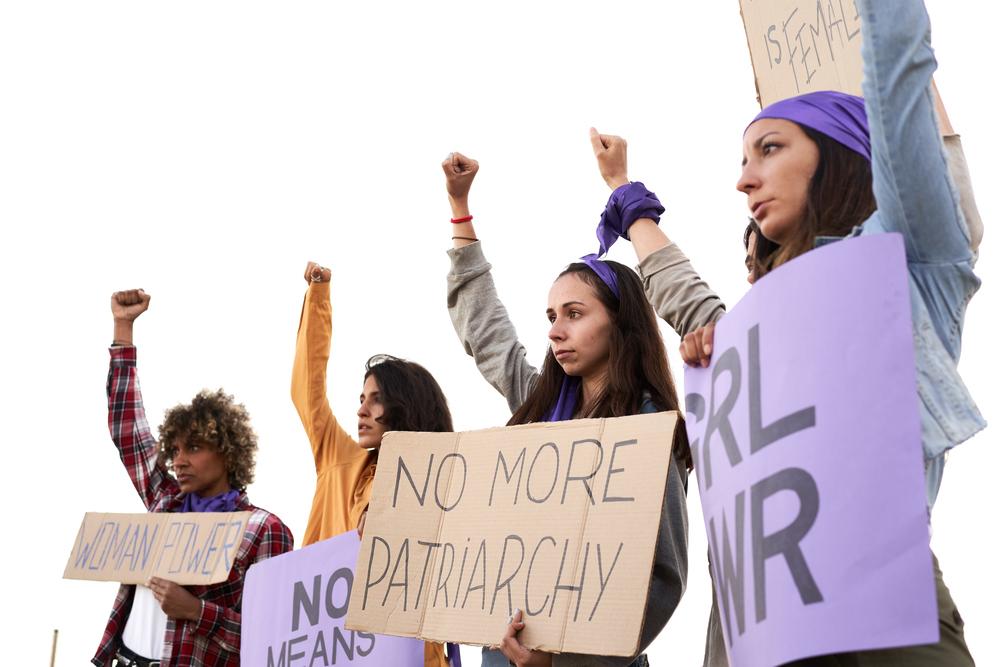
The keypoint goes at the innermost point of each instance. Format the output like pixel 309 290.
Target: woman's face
pixel 779 161
pixel 199 467
pixel 370 429
pixel 750 261
pixel 581 327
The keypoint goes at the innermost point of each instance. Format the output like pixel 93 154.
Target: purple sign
pixel 806 438
pixel 294 606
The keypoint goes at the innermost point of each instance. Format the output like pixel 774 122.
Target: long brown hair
pixel 412 399
pixel 637 359
pixel 840 198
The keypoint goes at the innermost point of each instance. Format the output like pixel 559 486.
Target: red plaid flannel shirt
pixel 215 638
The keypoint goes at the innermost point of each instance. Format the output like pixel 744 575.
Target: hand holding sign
pixel 175 600
pixel 696 347
pixel 612 158
pixel 516 652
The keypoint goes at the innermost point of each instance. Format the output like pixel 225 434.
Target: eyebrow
pixel 757 144
pixel 372 395
pixel 568 303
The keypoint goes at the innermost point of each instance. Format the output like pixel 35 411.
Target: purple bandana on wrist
pixel 224 502
pixel 627 204
pixel 839 116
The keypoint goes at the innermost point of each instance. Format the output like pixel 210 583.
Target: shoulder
pixel 265 526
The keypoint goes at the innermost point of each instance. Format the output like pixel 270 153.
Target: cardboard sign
pixel 800 46
pixel 186 548
pixel 294 607
pixel 559 520
pixel 806 436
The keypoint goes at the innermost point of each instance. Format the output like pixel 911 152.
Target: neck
pixel 215 490
pixel 592 386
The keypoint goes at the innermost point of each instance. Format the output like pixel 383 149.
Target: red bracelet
pixel 457 221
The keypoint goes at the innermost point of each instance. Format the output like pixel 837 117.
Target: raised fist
pixel 458 173
pixel 129 304
pixel 316 273
pixel 612 158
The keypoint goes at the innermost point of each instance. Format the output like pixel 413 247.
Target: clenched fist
pixel 129 304
pixel 458 173
pixel 612 158
pixel 317 274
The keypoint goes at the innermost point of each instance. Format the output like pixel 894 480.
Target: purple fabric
pixel 603 271
pixel 224 502
pixel 566 403
pixel 627 204
pixel 839 116
pixel 455 655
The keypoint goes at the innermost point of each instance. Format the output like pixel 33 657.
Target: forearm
pixel 123 332
pixel 677 293
pixel 647 238
pixel 462 233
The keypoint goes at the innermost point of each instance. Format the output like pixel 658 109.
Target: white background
pixel 206 150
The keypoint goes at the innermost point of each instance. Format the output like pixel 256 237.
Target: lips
pixel 758 208
pixel 562 354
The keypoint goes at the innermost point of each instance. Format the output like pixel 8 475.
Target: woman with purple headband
pixel 824 166
pixel 606 359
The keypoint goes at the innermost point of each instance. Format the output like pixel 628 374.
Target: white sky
pixel 206 151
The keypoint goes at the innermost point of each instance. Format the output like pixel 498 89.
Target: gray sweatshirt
pixel 486 332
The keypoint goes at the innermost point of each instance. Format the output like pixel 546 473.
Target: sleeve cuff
pixel 665 257
pixel 208 620
pixel 467 258
pixel 122 356
pixel 319 291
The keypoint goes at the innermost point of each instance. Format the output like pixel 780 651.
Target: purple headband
pixel 840 116
pixel 603 271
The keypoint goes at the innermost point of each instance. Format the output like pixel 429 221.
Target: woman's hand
pixel 459 171
pixel 696 347
pixel 125 307
pixel 612 158
pixel 175 600
pixel 361 524
pixel 517 652
pixel 316 273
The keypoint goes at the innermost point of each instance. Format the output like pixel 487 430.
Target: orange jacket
pixel 344 471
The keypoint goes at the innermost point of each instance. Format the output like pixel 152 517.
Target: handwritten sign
pixel 800 46
pixel 559 520
pixel 186 548
pixel 294 607
pixel 806 436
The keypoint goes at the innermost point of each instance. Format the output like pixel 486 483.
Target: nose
pixel 363 409
pixel 557 331
pixel 180 458
pixel 748 180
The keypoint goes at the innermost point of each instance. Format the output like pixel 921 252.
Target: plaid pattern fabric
pixel 215 638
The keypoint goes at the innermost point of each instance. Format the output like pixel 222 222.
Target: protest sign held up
pixel 800 46
pixel 188 548
pixel 294 607
pixel 806 438
pixel 559 520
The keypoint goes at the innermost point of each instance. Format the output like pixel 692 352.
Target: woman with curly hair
pixel 203 462
pixel 397 395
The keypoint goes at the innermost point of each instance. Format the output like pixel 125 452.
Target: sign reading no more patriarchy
pixel 559 520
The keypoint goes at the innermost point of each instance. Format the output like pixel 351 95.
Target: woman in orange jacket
pixel 397 395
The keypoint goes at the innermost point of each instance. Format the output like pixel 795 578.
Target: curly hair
pixel 216 419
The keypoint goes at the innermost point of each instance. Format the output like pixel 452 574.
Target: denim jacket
pixel 916 198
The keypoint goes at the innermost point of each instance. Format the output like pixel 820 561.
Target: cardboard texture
pixel 188 548
pixel 798 46
pixel 559 520
pixel 294 607
pixel 805 432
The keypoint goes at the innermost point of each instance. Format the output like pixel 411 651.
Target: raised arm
pixel 479 318
pixel 126 414
pixel 909 167
pixel 678 294
pixel 330 443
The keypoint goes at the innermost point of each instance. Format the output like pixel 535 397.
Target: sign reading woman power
pixel 294 607
pixel 806 439
pixel 559 520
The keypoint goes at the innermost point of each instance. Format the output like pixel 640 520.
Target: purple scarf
pixel 224 502
pixel 840 116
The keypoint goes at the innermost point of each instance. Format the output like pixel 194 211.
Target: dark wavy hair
pixel 217 420
pixel 412 399
pixel 759 261
pixel 840 198
pixel 637 359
